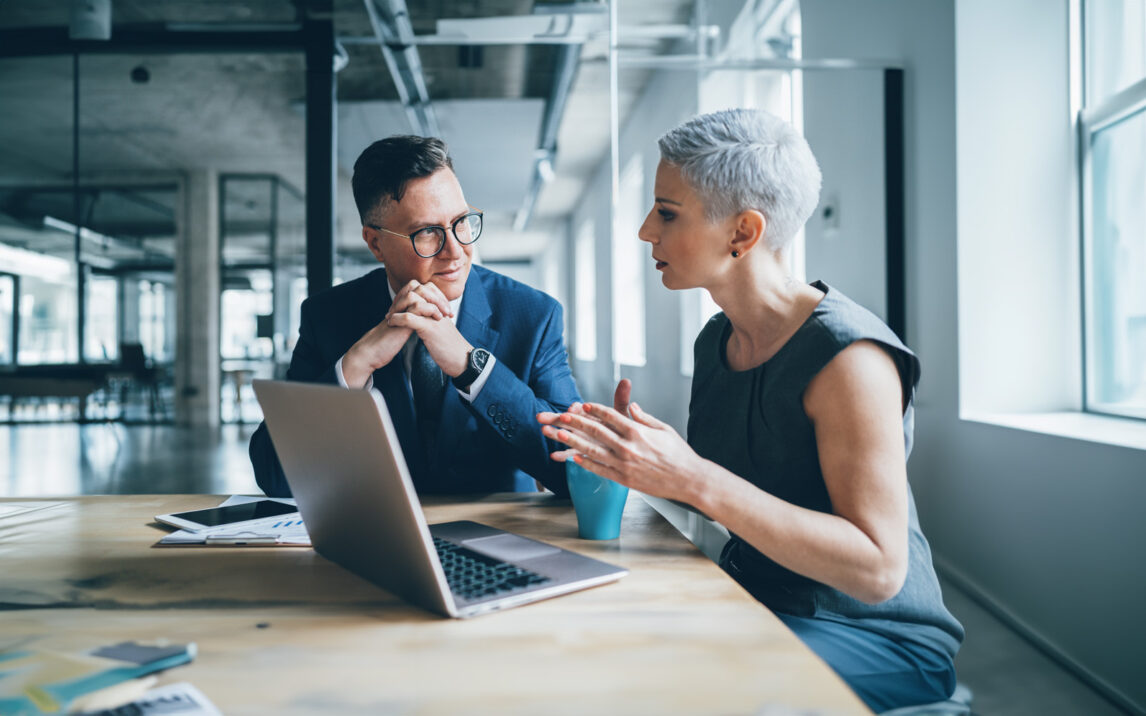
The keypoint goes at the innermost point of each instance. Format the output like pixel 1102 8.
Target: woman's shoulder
pixel 847 321
pixel 712 329
pixel 839 321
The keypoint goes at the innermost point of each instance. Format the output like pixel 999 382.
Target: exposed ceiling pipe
pixel 90 20
pixel 394 34
pixel 102 241
pixel 565 71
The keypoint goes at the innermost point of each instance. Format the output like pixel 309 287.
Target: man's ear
pixel 374 242
pixel 749 229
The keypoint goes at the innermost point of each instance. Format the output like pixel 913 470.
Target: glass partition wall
pixel 38 258
pixel 100 170
pixel 686 59
pixel 8 312
pixel 263 275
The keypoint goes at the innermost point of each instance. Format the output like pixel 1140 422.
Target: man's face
pixel 436 200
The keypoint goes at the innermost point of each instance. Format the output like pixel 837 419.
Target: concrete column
pixel 197 301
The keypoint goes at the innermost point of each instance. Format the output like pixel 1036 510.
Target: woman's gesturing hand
pixel 641 452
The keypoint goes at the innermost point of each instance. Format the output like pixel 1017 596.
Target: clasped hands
pixel 627 445
pixel 419 308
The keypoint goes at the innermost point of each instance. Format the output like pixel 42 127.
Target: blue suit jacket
pixel 493 444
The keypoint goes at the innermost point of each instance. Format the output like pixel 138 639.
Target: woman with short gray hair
pixel 800 422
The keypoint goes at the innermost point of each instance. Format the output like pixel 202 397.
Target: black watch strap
pixel 475 363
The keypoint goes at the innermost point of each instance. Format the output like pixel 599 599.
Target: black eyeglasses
pixel 429 241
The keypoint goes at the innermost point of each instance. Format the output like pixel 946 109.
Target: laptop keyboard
pixel 472 575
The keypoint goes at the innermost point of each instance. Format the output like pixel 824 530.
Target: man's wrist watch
pixel 475 363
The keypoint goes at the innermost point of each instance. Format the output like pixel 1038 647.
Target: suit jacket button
pixel 491 410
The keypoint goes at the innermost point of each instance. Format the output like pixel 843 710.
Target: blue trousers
pixel 885 673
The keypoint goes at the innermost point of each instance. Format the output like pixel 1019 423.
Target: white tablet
pixel 245 514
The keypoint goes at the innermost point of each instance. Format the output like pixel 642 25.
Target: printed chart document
pixel 288 532
pixel 180 699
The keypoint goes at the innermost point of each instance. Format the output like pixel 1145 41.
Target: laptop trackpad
pixel 510 548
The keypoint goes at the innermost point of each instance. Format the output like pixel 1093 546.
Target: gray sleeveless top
pixel 753 423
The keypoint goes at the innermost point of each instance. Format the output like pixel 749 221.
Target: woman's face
pixel 688 249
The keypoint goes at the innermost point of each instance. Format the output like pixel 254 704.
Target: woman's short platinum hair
pixel 741 159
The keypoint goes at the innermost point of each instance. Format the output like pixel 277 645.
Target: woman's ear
pixel 750 225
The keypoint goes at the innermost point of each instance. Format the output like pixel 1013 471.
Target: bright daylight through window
pixel 629 259
pixel 585 293
pixel 1113 147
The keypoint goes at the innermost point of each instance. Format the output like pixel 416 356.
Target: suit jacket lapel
pixel 473 324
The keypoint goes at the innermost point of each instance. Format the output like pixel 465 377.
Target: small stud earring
pixel 735 254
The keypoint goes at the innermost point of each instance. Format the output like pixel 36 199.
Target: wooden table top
pixel 282 630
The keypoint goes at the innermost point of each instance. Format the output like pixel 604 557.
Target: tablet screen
pixel 216 516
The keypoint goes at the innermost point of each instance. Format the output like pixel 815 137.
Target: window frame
pixel 1094 117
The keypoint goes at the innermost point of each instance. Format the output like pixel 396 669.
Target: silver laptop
pixel 343 461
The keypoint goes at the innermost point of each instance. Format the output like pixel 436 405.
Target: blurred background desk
pixel 282 630
pixel 236 375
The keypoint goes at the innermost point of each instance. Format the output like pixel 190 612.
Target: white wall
pixel 846 249
pixel 1049 529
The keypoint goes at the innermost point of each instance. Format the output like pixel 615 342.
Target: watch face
pixel 479 357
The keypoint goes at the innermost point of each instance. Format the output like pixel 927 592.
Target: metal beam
pixel 895 199
pixel 698 63
pixel 321 140
pixel 153 38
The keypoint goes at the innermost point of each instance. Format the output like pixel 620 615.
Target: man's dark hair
pixel 386 166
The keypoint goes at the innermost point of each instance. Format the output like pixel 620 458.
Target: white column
pixel 197 301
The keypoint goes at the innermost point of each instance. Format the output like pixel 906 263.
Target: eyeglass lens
pixel 430 240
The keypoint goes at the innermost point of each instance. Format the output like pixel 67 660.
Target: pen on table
pixel 232 540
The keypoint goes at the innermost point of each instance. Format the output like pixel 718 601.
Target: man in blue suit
pixel 464 357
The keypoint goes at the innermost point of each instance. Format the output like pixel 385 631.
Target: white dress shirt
pixel 408 358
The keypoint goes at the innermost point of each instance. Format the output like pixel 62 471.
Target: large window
pixel 7 318
pixel 153 300
pixel 261 250
pixel 1113 123
pixel 101 337
pixel 48 316
pixel 629 258
pixel 585 292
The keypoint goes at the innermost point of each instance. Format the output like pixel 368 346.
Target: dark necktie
pixel 428 383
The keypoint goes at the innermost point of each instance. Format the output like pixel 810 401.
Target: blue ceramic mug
pixel 599 503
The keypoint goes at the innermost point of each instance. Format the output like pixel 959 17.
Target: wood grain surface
pixel 282 630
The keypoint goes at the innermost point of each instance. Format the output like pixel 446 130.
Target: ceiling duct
pixel 390 20
pixel 90 20
pixel 582 20
pixel 550 123
pixel 572 25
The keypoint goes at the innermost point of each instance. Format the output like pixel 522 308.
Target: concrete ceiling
pixel 243 113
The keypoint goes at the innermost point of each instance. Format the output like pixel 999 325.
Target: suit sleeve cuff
pixel 476 386
pixel 342 378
